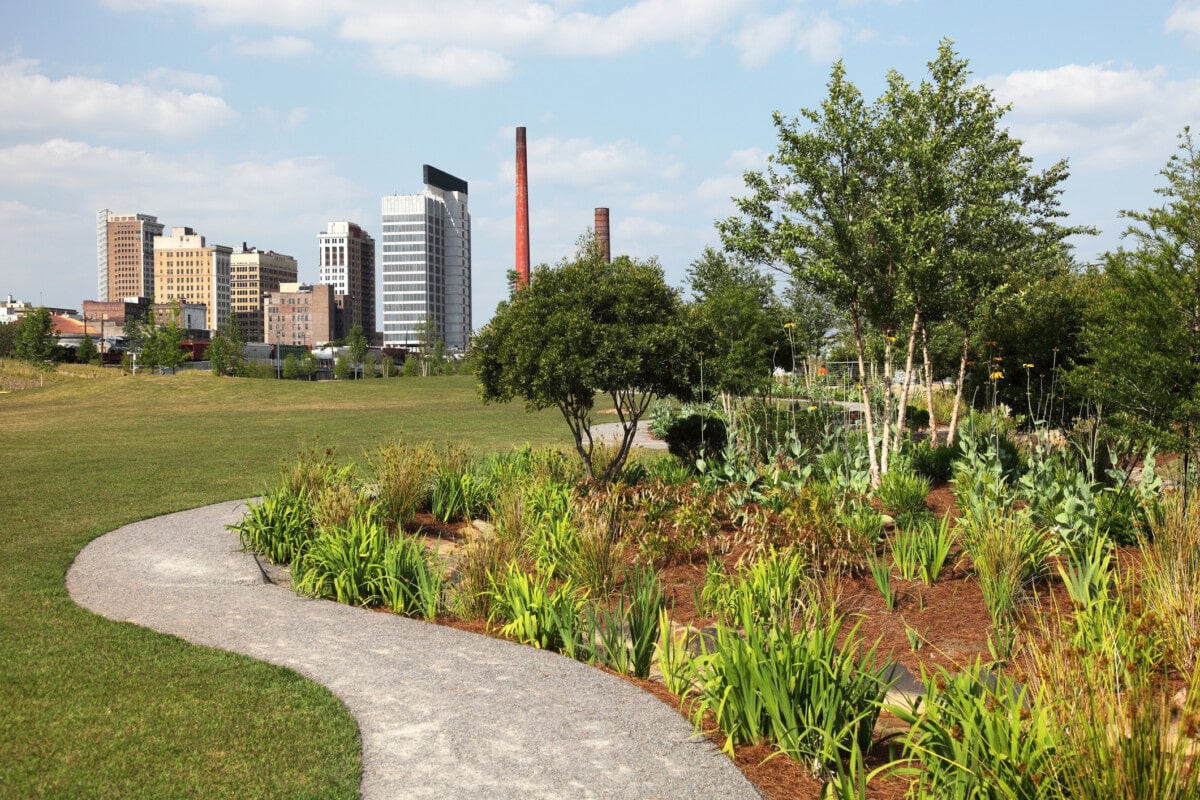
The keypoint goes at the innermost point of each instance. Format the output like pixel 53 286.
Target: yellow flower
pixel 997 375
pixel 789 325
pixel 812 408
pixel 1027 366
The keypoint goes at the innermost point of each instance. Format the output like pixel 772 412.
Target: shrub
pixel 638 610
pixel 902 492
pixel 690 436
pixel 933 462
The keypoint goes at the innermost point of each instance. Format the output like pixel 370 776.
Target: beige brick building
pixel 252 274
pixel 125 255
pixel 300 314
pixel 191 271
pixel 346 260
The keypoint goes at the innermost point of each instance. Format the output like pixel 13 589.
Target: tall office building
pixel 190 271
pixel 252 274
pixel 125 255
pixel 427 263
pixel 346 257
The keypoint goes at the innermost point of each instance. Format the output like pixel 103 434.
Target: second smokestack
pixel 522 210
pixel 602 234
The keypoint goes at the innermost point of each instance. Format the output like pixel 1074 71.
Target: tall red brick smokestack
pixel 522 211
pixel 602 234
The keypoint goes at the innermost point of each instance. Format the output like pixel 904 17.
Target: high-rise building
pixel 427 263
pixel 190 271
pixel 253 273
pixel 347 262
pixel 300 314
pixel 125 255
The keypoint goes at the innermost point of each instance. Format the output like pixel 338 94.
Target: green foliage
pixel 796 689
pixel 87 352
pixel 279 527
pixel 342 368
pixel 1170 581
pixel 690 437
pixel 979 736
pixel 410 579
pixel 587 327
pixel 357 345
pixel 224 353
pixel 739 324
pixel 902 493
pixel 35 339
pixel 881 574
pixel 291 367
pixel 1143 342
pixel 344 563
pixel 628 632
pixel 595 563
pixel 161 343
pixel 534 613
pixel 1009 553
pixel 402 473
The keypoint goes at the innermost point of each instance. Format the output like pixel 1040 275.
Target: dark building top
pixel 444 180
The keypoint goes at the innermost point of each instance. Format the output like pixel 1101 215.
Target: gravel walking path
pixel 442 713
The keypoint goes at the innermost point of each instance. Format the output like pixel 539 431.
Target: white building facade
pixel 346 258
pixel 426 263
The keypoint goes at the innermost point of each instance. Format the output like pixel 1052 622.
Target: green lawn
pixel 92 708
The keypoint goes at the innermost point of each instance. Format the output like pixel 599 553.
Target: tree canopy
pixel 899 212
pixel 35 338
pixel 1143 341
pixel 586 327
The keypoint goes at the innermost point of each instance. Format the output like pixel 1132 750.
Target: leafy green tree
pixel 412 366
pixel 739 325
pixel 427 339
pixel 896 212
pixel 291 367
pixel 358 346
pixel 161 344
pixel 36 340
pixel 226 350
pixel 86 353
pixel 1144 340
pixel 341 367
pixel 308 365
pixel 134 334
pixel 8 338
pixel 586 327
pixel 387 366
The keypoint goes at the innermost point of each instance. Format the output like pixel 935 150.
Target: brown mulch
pixel 949 620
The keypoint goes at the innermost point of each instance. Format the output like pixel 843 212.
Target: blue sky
pixel 261 120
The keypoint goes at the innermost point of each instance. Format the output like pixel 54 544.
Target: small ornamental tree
pixel 586 327
pixel 87 352
pixel 291 367
pixel 161 343
pixel 356 341
pixel 35 340
pixel 341 367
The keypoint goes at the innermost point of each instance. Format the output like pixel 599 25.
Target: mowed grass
pixel 93 708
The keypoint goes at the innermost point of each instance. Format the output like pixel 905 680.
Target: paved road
pixel 443 713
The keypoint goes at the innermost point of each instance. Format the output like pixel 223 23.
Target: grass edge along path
pixel 94 708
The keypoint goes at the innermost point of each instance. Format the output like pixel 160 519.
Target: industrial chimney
pixel 522 211
pixel 602 234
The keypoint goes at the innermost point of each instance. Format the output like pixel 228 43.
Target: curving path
pixel 442 713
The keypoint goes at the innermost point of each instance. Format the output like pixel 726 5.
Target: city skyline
pixel 261 121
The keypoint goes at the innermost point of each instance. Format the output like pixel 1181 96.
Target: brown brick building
pixel 300 314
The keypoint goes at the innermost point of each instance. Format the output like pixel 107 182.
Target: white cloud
pixel 167 79
pixel 99 177
pixel 716 194
pixel 455 66
pixel 34 103
pixel 618 165
pixel 762 38
pixel 1185 19
pixel 275 47
pixel 750 158
pixel 444 41
pixel 1100 117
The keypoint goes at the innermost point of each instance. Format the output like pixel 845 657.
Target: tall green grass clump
pixel 1170 580
pixel 403 477
pixel 796 689
pixel 627 633
pixel 343 563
